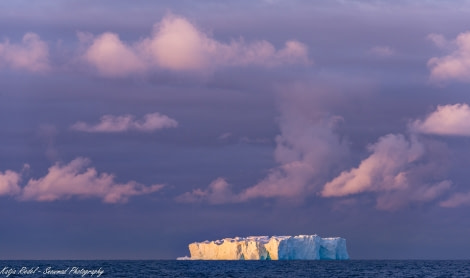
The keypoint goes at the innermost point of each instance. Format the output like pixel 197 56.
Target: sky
pixel 129 129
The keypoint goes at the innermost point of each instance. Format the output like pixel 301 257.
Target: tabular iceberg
pixel 302 247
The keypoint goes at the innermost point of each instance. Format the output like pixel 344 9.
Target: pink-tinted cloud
pixel 418 193
pixel 225 136
pixel 439 40
pixel 455 65
pixel 305 151
pixel 32 54
pixel 218 192
pixel 110 123
pixel 289 180
pixel 456 200
pixel 397 171
pixel 112 57
pixel 385 169
pixel 76 180
pixel 178 45
pixel 382 51
pixel 248 140
pixel 453 120
pixel 9 183
pixel 400 171
pixel 47 133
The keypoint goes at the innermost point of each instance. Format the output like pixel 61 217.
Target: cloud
pixel 248 140
pixel 307 149
pixel 385 169
pixel 382 51
pixel 225 136
pixel 74 179
pixel 112 57
pixel 218 192
pixel 178 45
pixel 456 65
pixel 32 54
pixel 419 193
pixel 9 183
pixel 47 133
pixel 305 152
pixel 453 120
pixel 456 200
pixel 110 123
pixel 314 160
pixel 439 40
pixel 399 171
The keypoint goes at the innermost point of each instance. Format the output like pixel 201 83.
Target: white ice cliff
pixel 302 247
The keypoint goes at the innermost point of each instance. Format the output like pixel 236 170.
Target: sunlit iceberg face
pixel 302 247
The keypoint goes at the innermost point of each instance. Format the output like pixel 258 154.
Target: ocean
pixel 173 268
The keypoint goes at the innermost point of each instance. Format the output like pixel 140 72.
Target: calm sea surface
pixel 351 268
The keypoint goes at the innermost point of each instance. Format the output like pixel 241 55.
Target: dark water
pixel 351 268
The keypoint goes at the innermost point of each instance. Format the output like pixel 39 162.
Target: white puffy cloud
pixel 32 54
pixel 110 123
pixel 177 45
pixel 76 180
pixel 453 120
pixel 455 65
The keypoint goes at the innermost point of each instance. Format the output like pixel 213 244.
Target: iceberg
pixel 301 247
